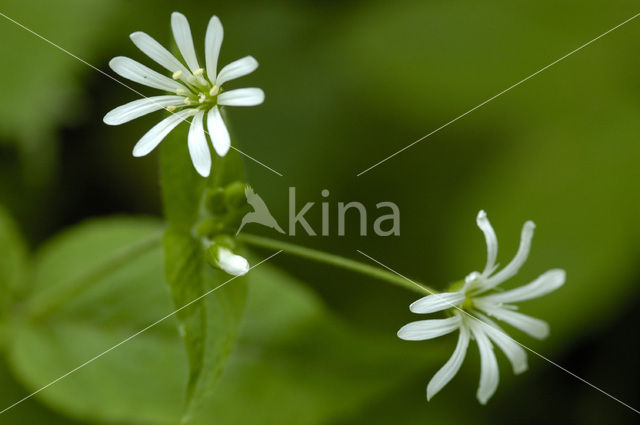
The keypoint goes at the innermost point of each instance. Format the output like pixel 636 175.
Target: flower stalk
pixel 335 260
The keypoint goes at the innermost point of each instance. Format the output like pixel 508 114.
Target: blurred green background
pixel 347 83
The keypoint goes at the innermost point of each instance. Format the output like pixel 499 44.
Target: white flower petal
pixel 451 367
pixel 140 107
pixel 153 137
pixel 437 302
pixel 212 43
pixel 489 374
pixel 428 329
pixel 158 53
pixel 218 132
pixel 545 283
pixel 492 242
pixel 233 264
pixel 198 147
pixel 237 69
pixel 521 256
pixel 134 71
pixel 530 325
pixel 514 352
pixel 182 35
pixel 241 97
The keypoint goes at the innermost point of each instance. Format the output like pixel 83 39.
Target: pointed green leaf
pixel 105 283
pixel 209 326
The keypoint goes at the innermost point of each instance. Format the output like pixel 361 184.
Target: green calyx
pixel 222 212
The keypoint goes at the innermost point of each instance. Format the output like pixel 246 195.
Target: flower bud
pixel 215 201
pixel 234 194
pixel 227 261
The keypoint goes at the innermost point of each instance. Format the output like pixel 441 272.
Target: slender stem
pixel 335 260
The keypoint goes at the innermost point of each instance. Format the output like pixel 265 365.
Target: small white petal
pixel 158 53
pixel 218 132
pixel 545 283
pixel 242 97
pixel 530 325
pixel 134 71
pixel 437 302
pixel 521 256
pixel 428 329
pixel 492 242
pixel 140 107
pixel 198 147
pixel 212 43
pixel 489 374
pixel 237 69
pixel 153 137
pixel 514 352
pixel 182 35
pixel 233 264
pixel 451 367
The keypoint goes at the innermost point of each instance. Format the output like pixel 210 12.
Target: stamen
pixel 203 98
pixel 182 92
pixel 214 90
pixel 187 101
pixel 177 75
pixel 171 108
pixel 192 80
pixel 198 72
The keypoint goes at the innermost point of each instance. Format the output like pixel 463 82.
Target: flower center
pixel 200 92
pixel 467 304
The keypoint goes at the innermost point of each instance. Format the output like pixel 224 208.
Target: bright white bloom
pixel 223 258
pixel 469 306
pixel 232 263
pixel 196 93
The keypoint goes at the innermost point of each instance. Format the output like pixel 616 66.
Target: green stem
pixel 335 260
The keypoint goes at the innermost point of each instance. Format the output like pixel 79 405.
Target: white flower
pixel 196 91
pixel 471 303
pixel 224 259
pixel 232 263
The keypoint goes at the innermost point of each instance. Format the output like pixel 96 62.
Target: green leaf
pixel 210 326
pixel 296 362
pixel 292 357
pixel 29 412
pixel 100 297
pixel 13 261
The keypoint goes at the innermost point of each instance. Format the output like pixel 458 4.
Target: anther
pixel 171 108
pixel 182 92
pixel 214 90
pixel 198 72
pixel 177 75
